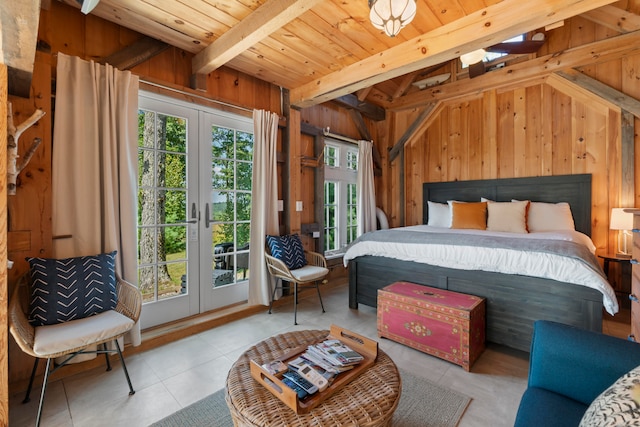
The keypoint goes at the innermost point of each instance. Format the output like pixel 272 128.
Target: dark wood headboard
pixel 573 189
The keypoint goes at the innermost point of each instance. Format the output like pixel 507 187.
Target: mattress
pixel 564 256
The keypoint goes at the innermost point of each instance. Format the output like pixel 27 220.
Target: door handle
pixel 194 215
pixel 207 218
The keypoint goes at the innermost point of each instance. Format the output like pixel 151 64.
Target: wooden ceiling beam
pixel 405 83
pixel 535 69
pixel 264 21
pixel 480 29
pixel 19 22
pixel 350 101
pixel 414 130
pixel 614 18
pixel 136 53
pixel 363 93
pixel 613 96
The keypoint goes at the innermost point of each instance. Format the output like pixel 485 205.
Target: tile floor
pixel 177 374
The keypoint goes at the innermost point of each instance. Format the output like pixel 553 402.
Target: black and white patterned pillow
pixel 288 249
pixel 618 405
pixel 72 288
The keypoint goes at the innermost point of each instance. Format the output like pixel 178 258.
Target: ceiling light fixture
pixel 473 57
pixel 391 15
pixel 431 81
pixel 86 6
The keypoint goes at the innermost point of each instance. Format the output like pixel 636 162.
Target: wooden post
pixel 295 172
pixel 4 299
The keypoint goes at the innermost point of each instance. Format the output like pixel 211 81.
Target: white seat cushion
pixel 52 339
pixel 309 272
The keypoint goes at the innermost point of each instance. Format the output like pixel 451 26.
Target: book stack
pixel 332 356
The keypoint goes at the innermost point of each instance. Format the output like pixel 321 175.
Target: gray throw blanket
pixel 559 247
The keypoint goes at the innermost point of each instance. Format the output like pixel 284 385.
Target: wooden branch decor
pixel 13 168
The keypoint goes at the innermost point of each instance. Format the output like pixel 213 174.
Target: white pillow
pixel 617 405
pixel 507 216
pixel 439 214
pixel 549 217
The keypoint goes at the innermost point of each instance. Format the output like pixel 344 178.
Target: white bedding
pixel 501 260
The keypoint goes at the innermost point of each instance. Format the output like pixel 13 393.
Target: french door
pixel 194 198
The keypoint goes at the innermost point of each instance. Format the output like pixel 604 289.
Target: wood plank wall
pixel 539 131
pixel 4 297
pixel 542 129
pixel 92 38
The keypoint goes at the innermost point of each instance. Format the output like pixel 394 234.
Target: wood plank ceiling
pixel 325 49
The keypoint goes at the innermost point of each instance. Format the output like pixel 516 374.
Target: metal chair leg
pixel 124 367
pixel 106 355
pixel 295 303
pixel 273 294
pixel 320 296
pixel 27 397
pixel 44 389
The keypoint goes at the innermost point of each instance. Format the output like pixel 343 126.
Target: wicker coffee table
pixel 369 400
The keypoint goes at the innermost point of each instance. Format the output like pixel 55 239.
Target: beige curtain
pixel 95 164
pixel 264 203
pixel 366 204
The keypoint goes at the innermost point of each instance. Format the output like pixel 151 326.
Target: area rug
pixel 422 404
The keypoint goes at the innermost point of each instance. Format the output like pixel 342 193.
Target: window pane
pixel 172 170
pixel 243 176
pixel 243 230
pixel 331 155
pixel 172 132
pixel 352 160
pixel 146 129
pixel 222 174
pixel 222 142
pixel 146 283
pixel 146 164
pixel 244 146
pixel 330 241
pixel 175 241
pixel 175 203
pixel 222 208
pixel 147 251
pixel 243 206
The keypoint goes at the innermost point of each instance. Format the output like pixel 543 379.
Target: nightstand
pixel 621 279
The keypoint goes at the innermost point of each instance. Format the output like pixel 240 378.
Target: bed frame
pixel 513 302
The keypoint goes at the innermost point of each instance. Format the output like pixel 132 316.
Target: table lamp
pixel 623 222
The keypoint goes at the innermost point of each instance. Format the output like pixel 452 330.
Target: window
pixel 162 196
pixel 490 56
pixel 231 169
pixel 340 196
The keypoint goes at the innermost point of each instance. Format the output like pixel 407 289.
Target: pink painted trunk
pixel 445 324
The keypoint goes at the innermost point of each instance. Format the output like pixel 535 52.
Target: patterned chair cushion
pixel 73 288
pixel 287 249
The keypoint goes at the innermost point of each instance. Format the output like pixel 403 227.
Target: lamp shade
pixel 621 220
pixel 473 57
pixel 86 6
pixel 391 15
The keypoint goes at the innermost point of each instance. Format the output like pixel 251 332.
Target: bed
pixel 514 301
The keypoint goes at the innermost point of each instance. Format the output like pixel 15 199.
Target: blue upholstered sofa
pixel 568 368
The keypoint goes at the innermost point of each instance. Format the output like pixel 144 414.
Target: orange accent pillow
pixel 469 215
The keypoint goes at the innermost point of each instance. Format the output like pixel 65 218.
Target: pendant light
pixel 391 15
pixel 473 57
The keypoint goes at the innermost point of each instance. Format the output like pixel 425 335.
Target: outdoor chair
pixel 68 339
pixel 285 252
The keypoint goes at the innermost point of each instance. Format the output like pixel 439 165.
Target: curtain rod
pixel 326 132
pixel 204 98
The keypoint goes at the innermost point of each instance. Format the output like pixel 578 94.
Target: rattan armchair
pixel 74 337
pixel 312 273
